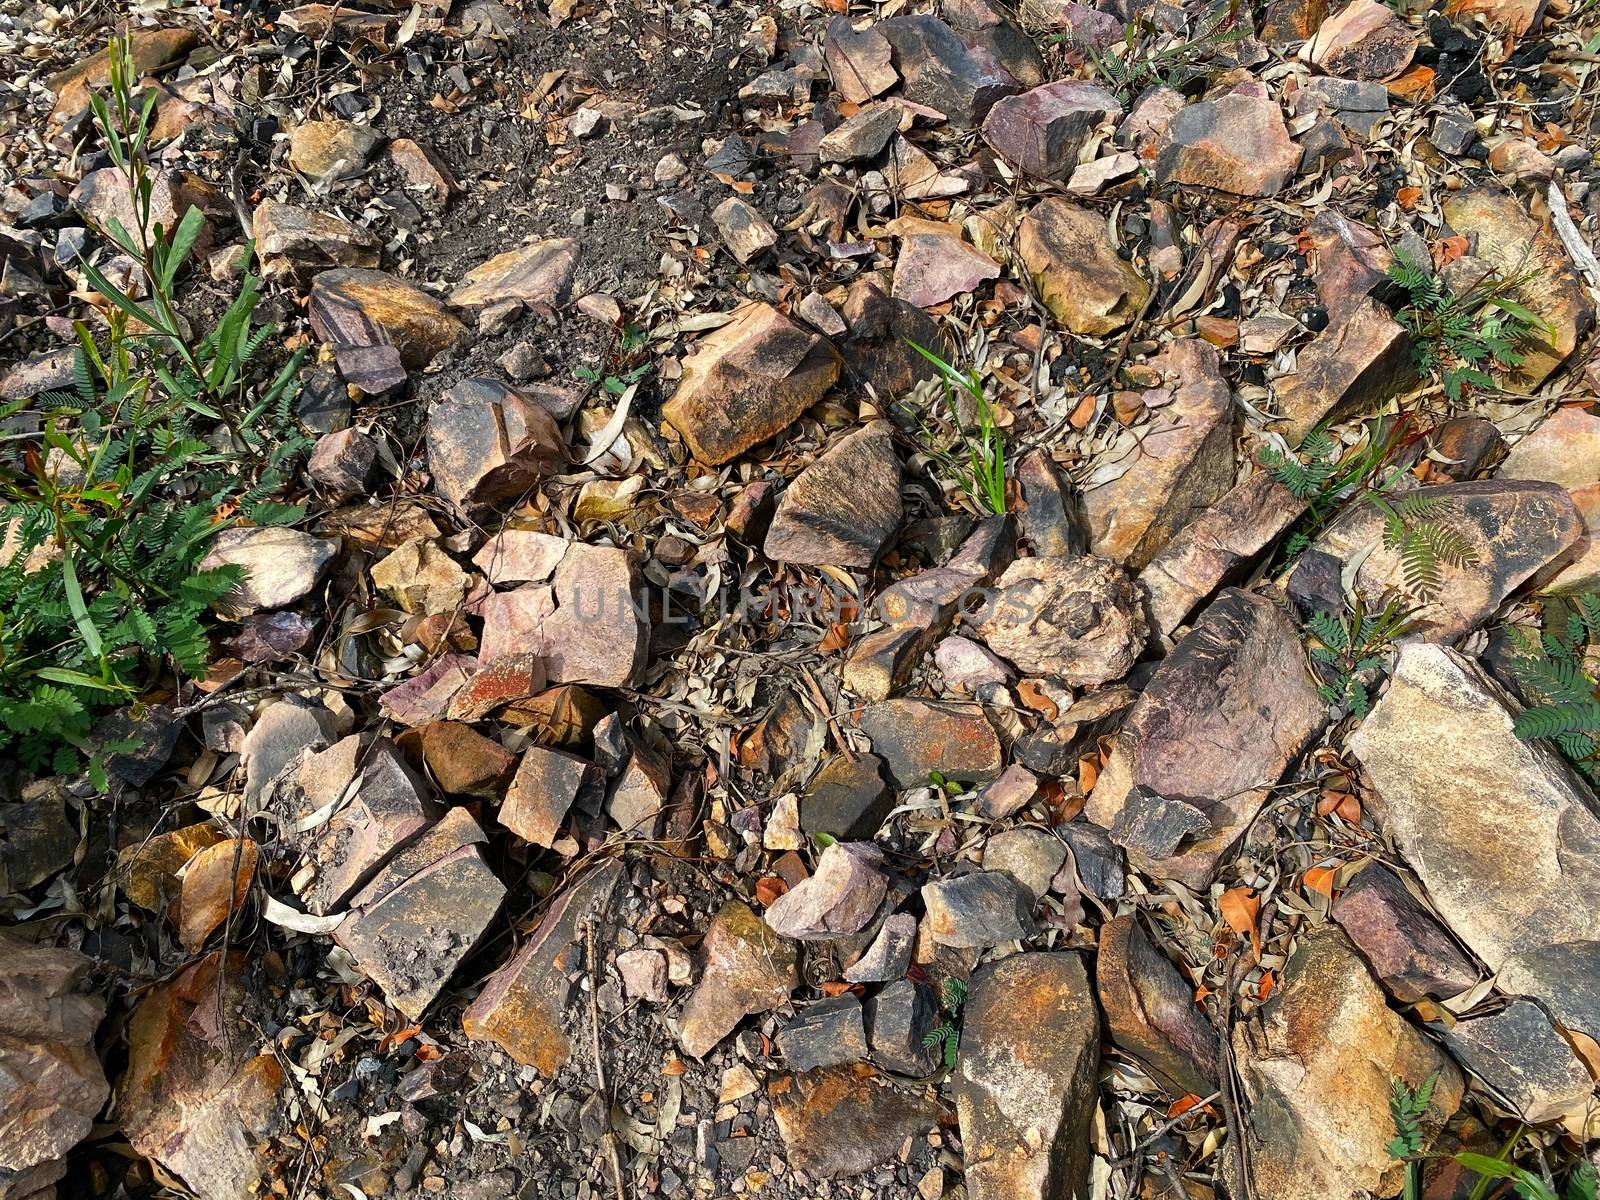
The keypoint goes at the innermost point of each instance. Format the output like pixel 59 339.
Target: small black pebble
pixel 1315 318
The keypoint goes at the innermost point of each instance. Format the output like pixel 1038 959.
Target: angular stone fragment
pixel 1151 1011
pixel 1095 863
pixel 546 784
pixel 1216 547
pixel 1519 247
pixel 1237 143
pixel 828 1033
pixel 358 307
pixel 1476 811
pixel 848 798
pixel 1080 619
pixel 1067 252
pixel 539 273
pixel 1353 366
pixel 344 463
pixel 935 263
pixel 1184 463
pixel 488 443
pixel 861 137
pixel 419 577
pixel 507 680
pixel 859 62
pixel 876 340
pixel 843 508
pixel 1041 131
pixel 1412 955
pixel 838 899
pixel 1220 721
pixel 1352 261
pixel 1029 855
pixel 1514 528
pixel 1565 449
pixel 638 799
pixel 464 762
pixel 914 737
pixel 979 909
pixel 520 556
pixel 1519 1054
pixel 523 1007
pixel 749 381
pixel 1013 791
pixel 412 937
pixel 196 1097
pixel 746 968
pixel 289 238
pixel 423 170
pixel 1318 1070
pixel 326 151
pixel 984 25
pixel 887 958
pixel 1363 40
pixel 279 565
pixel 744 230
pixel 899 1019
pixel 644 974
pixel 1026 1076
pixel 282 731
pixel 941 72
pixel 842 1121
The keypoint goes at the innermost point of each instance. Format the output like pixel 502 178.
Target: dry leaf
pixel 211 889
pixel 1239 908
pixel 1320 879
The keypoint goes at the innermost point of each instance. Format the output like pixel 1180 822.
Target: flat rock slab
pixel 1317 1071
pixel 1026 1078
pixel 1151 1012
pixel 1080 619
pixel 1237 143
pixel 1362 359
pixel 942 72
pixel 848 798
pixel 1363 40
pixel 978 909
pixel 829 1033
pixel 1519 1054
pixel 1514 527
pixel 355 306
pixel 914 737
pixel 748 382
pixel 326 151
pixel 842 509
pixel 541 794
pixel 280 566
pixel 746 968
pixel 540 273
pixel 1067 253
pixel 1476 811
pixel 860 63
pixel 1222 718
pixel 847 1120
pixel 1409 951
pixel 936 263
pixel 523 1007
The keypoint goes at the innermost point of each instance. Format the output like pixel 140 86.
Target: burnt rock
pixel 828 1033
pixel 843 508
pixel 979 909
pixel 1080 619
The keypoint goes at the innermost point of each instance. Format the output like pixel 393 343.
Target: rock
pixel 1041 131
pixel 520 556
pixel 1412 955
pixel 279 567
pixel 638 798
pixel 1149 117
pixel 1519 1054
pixel 983 25
pixel 1050 521
pixel 782 830
pixel 1222 718
pixel 1094 862
pixel 843 508
pixel 848 798
pixel 1026 1078
pixel 1468 446
pixel 1216 547
pixel 1513 527
pixel 1353 262
pixel 411 928
pixel 841 1121
pixel 196 1097
pixel 358 307
pixel 744 230
pixel 488 443
pixel 52 1086
pixel 899 1019
pixel 1030 856
pixel 979 909
pixel 934 263
pixel 421 578
pixel 1317 1072
pixel 36 839
pixel 327 151
pixel 290 238
pixel 859 62
pixel 280 733
pixel 914 737
pixel 875 340
pixel 522 1008
pixel 1363 40
pixel 1151 1012
pixel 941 72
pixel 423 170
pixel 542 793
pixel 1184 463
pixel 151 51
pixel 1092 178
pixel 1068 255
pixel 1519 247
pixel 644 974
pixel 861 137
pixel 586 625
pixel 1565 449
pixel 748 382
pixel 344 463
pixel 889 955
pixel 838 899
pixel 966 666
pixel 916 176
pixel 1236 143
pixel 538 273
pixel 102 198
pixel 746 968
pixel 1013 791
pixel 1354 365
pixel 427 696
pixel 1480 812
pixel 828 1033
pixel 1079 619
pixel 464 762
pixel 1516 17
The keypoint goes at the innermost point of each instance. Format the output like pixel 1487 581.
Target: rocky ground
pixel 656 765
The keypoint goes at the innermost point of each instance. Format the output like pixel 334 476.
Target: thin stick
pixel 1163 1129
pixel 609 1138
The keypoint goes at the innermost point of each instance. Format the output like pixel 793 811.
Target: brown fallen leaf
pixel 212 889
pixel 1240 907
pixel 149 870
pixel 1320 879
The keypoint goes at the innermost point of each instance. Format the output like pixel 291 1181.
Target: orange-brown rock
pixel 359 307
pixel 843 508
pixel 1151 1012
pixel 464 762
pixel 546 784
pixel 1237 143
pixel 1354 365
pixel 843 1121
pixel 540 273
pixel 914 737
pixel 1067 252
pixel 489 443
pixel 152 50
pixel 745 968
pixel 1363 40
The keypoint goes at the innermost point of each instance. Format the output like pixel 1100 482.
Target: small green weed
pixel 1556 677
pixel 1463 338
pixel 945 1034
pixel 1147 58
pixel 1581 1184
pixel 1346 647
pixel 1406 1107
pixel 1413 526
pixel 982 472
pixel 622 368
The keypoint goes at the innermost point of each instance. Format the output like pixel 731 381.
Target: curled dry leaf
pixel 216 883
pixel 1240 907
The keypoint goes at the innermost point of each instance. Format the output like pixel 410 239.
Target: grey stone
pixel 899 1019
pixel 889 955
pixel 828 1033
pixel 1519 1054
pixel 979 909
pixel 1029 855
